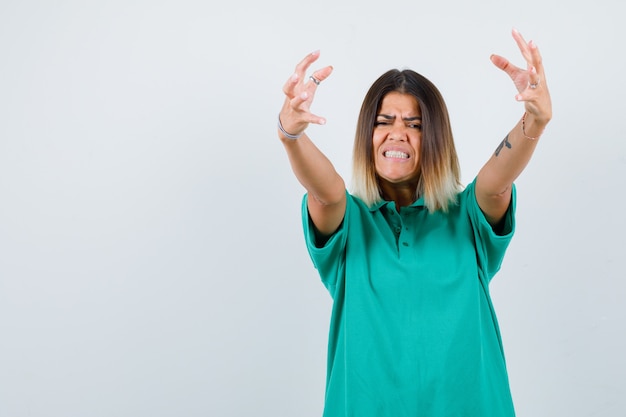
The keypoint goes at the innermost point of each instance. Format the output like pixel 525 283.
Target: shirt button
pixel 405 244
pixel 398 230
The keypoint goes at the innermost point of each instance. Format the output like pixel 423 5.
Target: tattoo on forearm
pixel 502 144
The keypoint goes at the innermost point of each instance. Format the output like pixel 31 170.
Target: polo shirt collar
pixel 377 206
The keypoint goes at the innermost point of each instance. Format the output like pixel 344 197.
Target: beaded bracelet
pixel 524 129
pixel 284 132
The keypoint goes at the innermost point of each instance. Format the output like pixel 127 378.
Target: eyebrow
pixel 407 119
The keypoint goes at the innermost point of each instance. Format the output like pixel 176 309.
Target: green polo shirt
pixel 413 331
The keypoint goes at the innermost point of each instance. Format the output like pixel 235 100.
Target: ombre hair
pixel 439 172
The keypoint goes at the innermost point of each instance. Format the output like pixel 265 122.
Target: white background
pixel 151 252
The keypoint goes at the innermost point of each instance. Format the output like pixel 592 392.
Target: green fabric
pixel 413 331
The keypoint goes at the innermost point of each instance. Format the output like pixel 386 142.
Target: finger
pixel 534 91
pixel 537 74
pixel 299 74
pixel 301 104
pixel 536 57
pixel 298 102
pixel 533 78
pixel 321 74
pixel 306 62
pixel 290 85
pixel 313 118
pixel 533 59
pixel 505 65
pixel 317 77
pixel 522 45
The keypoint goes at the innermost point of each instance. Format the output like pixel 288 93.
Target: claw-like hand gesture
pixel 295 115
pixel 530 82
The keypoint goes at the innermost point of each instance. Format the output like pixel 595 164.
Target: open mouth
pixel 396 154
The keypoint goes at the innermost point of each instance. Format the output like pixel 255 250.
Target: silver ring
pixel 535 85
pixel 315 80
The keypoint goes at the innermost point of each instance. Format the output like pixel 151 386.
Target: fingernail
pixel 532 45
pixel 294 78
pixel 315 52
pixel 304 95
pixel 322 121
pixel 518 97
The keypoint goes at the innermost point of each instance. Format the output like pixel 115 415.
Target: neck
pixel 402 195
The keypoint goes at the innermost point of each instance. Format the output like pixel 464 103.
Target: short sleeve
pixel 329 259
pixel 490 246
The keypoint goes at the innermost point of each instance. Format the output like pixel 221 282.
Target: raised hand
pixel 299 91
pixel 530 82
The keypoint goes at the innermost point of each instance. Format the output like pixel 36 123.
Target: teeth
pixel 396 154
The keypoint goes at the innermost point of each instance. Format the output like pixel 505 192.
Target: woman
pixel 408 255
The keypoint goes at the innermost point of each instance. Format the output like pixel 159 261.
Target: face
pixel 396 141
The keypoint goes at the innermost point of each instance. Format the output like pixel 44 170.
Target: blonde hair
pixel 439 176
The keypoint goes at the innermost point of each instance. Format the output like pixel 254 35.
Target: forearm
pixel 495 180
pixel 510 157
pixel 314 170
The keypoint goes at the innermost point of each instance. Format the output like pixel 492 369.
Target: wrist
pixel 285 133
pixel 531 130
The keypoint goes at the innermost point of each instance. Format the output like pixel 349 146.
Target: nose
pixel 398 132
